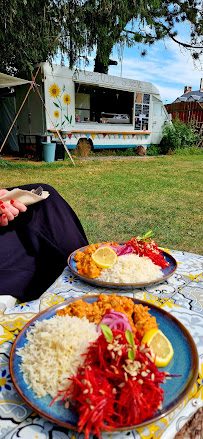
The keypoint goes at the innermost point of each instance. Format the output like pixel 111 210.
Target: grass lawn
pixel 117 199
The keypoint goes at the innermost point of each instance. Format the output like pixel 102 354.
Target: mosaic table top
pixel 181 295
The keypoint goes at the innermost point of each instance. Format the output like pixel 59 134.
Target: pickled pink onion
pixel 122 249
pixel 115 320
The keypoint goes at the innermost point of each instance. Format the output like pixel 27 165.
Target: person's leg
pixel 35 246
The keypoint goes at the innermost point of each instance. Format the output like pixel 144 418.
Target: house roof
pixel 190 96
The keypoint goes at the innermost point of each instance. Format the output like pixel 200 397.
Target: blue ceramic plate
pixel 167 272
pixel 184 363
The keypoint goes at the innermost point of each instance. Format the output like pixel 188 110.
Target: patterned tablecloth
pixel 181 295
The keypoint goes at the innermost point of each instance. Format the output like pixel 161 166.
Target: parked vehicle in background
pixel 108 111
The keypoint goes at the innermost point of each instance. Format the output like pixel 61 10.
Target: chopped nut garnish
pixel 149 356
pixel 88 401
pixel 128 361
pixel 114 368
pixel 102 391
pixel 145 350
pixel 121 385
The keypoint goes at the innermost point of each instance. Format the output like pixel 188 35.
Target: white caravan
pixel 109 111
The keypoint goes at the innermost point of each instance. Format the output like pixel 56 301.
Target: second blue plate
pixel 184 363
pixel 166 272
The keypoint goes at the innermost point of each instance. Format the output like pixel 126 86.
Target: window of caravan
pixel 157 108
pixel 142 103
pixel 103 105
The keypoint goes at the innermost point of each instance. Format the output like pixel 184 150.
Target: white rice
pixel 53 352
pixel 131 268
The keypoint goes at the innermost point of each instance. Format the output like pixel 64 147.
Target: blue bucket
pixel 49 151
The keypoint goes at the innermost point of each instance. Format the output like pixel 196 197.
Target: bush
pixel 127 152
pixel 178 135
pixel 153 150
pixel 191 150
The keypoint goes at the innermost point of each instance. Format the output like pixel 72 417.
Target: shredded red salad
pixel 149 248
pixel 113 388
pixel 142 246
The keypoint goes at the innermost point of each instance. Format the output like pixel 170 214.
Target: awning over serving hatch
pixel 11 81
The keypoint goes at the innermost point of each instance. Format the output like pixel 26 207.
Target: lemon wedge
pixel 161 348
pixel 104 257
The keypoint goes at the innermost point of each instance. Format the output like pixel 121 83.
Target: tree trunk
pixel 99 66
pixel 102 61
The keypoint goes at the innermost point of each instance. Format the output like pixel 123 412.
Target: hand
pixel 8 211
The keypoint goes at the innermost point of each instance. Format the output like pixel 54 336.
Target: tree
pixel 128 22
pixel 26 34
pixel 31 32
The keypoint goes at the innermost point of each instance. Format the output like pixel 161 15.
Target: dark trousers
pixel 34 247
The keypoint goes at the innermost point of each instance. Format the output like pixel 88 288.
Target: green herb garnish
pixel 130 339
pixel 131 354
pixel 107 333
pixel 146 236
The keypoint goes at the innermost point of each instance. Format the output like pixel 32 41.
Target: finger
pixel 3 220
pixel 12 209
pixel 5 211
pixel 18 205
pixel 3 192
pixel 2 208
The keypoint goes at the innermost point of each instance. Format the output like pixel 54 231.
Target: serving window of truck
pixel 96 104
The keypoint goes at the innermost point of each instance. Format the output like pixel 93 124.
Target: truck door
pixel 159 116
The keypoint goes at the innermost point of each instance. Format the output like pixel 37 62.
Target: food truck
pixel 108 111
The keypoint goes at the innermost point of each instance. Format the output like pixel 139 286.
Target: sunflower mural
pixel 66 99
pixel 54 91
pixel 56 114
pixel 61 101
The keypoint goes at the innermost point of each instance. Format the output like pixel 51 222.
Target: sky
pixel 166 65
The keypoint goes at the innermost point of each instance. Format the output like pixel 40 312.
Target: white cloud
pixel 169 69
pixel 166 65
